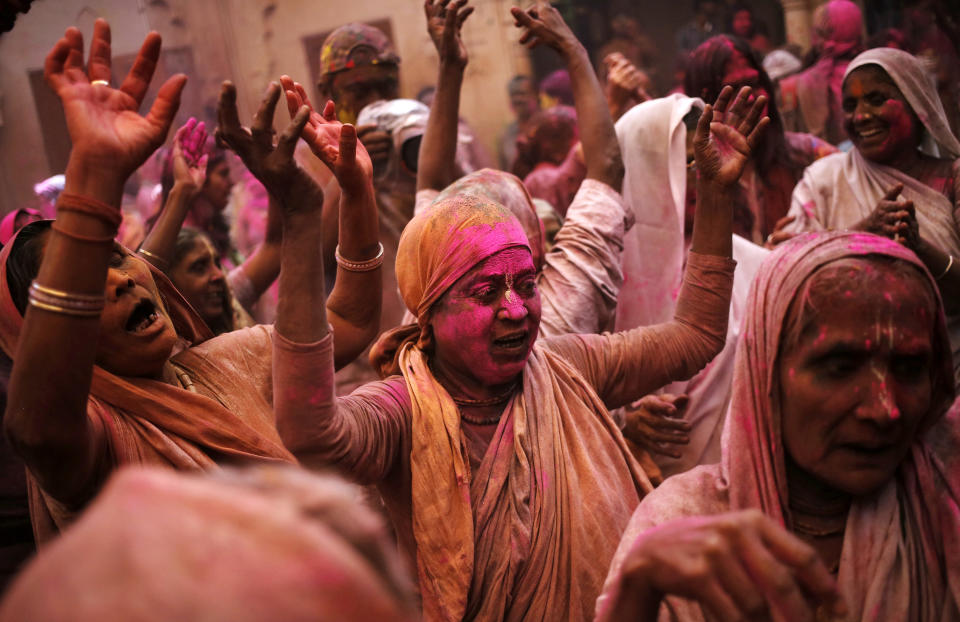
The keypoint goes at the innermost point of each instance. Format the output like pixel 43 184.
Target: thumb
pixel 348 144
pixel 893 192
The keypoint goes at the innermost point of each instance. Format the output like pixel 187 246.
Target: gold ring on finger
pixel 99 83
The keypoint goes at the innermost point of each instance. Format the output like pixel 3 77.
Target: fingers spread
pixel 98 67
pixel 138 80
pixel 753 117
pixel 723 100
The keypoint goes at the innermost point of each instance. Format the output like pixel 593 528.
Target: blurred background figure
pixel 703 26
pixel 743 24
pixel 524 103
pixel 811 99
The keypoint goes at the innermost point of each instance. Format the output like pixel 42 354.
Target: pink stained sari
pixel 902 543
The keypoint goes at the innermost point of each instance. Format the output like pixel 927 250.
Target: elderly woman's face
pixel 857 384
pixel 485 325
pixel 877 118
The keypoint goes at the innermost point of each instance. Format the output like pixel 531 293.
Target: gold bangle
pixel 63 310
pixel 947 269
pixel 161 262
pixel 359 266
pixel 57 293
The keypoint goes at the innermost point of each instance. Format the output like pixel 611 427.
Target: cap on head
pixel 353 45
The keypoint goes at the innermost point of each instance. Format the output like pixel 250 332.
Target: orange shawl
pixel 528 536
pixel 148 421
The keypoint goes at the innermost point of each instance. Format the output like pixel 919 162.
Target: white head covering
pixel 780 64
pixel 919 89
pixel 655 188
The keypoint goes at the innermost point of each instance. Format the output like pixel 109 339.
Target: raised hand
pixel 542 23
pixel 335 143
pixel 655 424
pixel 273 165
pixel 109 135
pixel 737 566
pixel 444 21
pixel 189 157
pixel 722 149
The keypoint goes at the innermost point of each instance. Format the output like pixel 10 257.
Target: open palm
pixel 330 140
pixel 104 123
pixel 722 148
pixel 444 21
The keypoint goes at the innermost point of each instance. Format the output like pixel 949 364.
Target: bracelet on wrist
pixel 91 207
pixel 947 269
pixel 359 266
pixel 65 303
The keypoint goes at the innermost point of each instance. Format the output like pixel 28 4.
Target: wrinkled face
pixel 523 100
pixel 739 72
pixel 742 23
pixel 136 334
pixel 876 116
pixel 485 325
pixel 218 184
pixel 858 382
pixel 200 279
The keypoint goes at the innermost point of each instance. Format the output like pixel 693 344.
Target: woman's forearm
pixel 713 222
pixel 159 243
pixel 601 149
pixel 301 308
pixel 46 416
pixel 438 150
pixel 355 301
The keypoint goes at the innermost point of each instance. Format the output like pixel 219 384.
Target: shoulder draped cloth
pixel 901 544
pixel 520 538
pixel 838 191
pixel 149 421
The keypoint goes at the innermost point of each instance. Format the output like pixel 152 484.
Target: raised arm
pixel 362 439
pixel 626 366
pixel 301 312
pixel 46 418
pixel 354 303
pixel 437 168
pixel 543 24
pixel 189 173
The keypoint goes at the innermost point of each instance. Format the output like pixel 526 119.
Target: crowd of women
pixel 712 378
